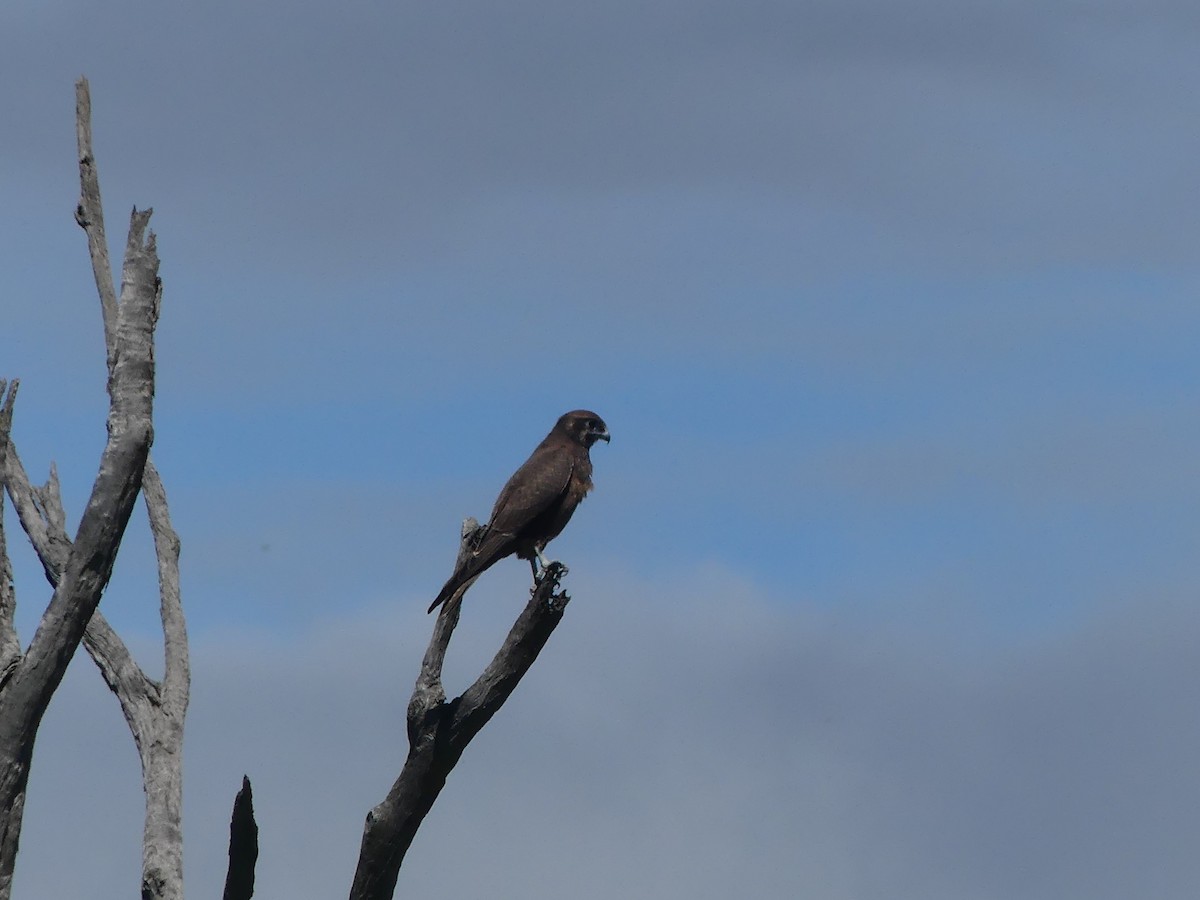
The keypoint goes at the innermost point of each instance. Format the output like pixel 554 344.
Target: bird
pixel 536 503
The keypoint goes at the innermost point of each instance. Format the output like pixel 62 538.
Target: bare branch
pixel 49 503
pixel 33 505
pixel 90 216
pixel 87 566
pixel 429 692
pixel 137 694
pixel 10 645
pixel 521 647
pixel 161 715
pixel 439 731
pixel 177 670
pixel 154 711
pixel 89 563
pixel 42 509
pixel 243 846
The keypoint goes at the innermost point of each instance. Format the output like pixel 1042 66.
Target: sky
pixel 887 587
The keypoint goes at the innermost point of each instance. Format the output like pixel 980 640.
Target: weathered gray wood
pixel 439 730
pixel 155 711
pixel 10 644
pixel 88 565
pixel 78 569
pixel 90 215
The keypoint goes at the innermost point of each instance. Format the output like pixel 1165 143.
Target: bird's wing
pixel 540 482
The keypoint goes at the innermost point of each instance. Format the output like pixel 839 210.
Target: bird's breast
pixel 581 483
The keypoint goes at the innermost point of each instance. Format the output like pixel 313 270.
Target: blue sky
pixel 890 308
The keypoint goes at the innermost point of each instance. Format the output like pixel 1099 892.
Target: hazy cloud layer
pixel 706 747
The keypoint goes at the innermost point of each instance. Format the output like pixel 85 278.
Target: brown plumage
pixel 537 502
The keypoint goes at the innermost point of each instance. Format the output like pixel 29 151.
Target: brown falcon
pixel 536 503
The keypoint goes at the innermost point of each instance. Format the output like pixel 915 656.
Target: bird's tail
pixel 463 578
pixel 459 582
pixel 446 593
pixel 468 568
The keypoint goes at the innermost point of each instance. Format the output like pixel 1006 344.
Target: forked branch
pixel 439 730
pixel 154 710
pixel 78 569
pixel 82 567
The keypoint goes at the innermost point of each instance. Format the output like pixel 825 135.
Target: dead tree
pixel 438 733
pixel 79 569
pixel 439 730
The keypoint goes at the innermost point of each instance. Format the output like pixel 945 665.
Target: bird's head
pixel 584 427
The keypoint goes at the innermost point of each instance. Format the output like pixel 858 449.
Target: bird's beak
pixel 602 436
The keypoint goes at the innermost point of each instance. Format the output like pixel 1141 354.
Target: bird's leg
pixel 539 558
